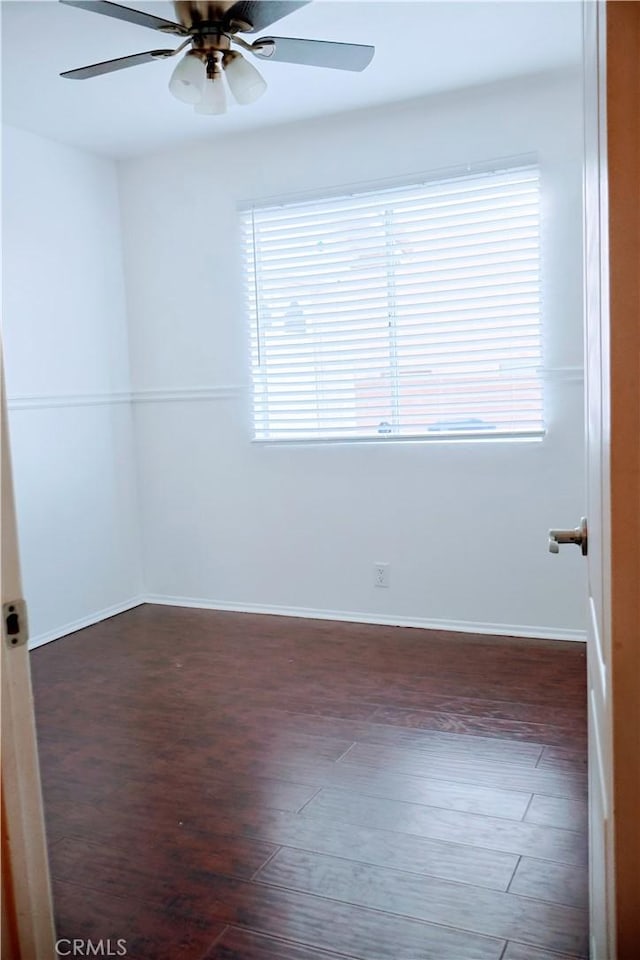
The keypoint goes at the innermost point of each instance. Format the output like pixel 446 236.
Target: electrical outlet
pixel 381 574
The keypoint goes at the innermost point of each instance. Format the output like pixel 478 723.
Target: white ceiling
pixel 421 48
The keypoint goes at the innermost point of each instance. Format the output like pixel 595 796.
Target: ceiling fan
pixel 211 31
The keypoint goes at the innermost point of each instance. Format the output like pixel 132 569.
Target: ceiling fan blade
pixel 262 13
pixel 314 53
pixel 126 13
pixel 109 66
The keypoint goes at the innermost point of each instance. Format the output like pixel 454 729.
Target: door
pixel 27 915
pixel 601 843
pixel 612 305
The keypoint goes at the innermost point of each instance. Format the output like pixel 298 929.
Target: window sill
pixel 437 438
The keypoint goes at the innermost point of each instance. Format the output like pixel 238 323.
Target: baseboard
pixel 347 616
pixel 455 626
pixel 89 621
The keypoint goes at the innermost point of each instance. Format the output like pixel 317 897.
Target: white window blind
pixel 398 313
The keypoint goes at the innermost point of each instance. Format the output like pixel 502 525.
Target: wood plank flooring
pixel 224 786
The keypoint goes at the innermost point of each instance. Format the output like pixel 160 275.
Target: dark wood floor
pixel 239 787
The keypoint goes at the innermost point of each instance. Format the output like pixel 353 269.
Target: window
pixel 411 312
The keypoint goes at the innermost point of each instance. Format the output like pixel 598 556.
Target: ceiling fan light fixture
pixel 188 79
pixel 245 82
pixel 214 97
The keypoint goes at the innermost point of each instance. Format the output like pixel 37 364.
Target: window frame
pixel 339 191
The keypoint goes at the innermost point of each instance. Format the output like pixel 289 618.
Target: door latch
pixel 578 536
pixel 14 623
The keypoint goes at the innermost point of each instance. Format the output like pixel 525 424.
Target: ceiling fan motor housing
pixel 203 19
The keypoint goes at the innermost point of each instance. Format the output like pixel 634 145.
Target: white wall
pixel 67 370
pixel 231 523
